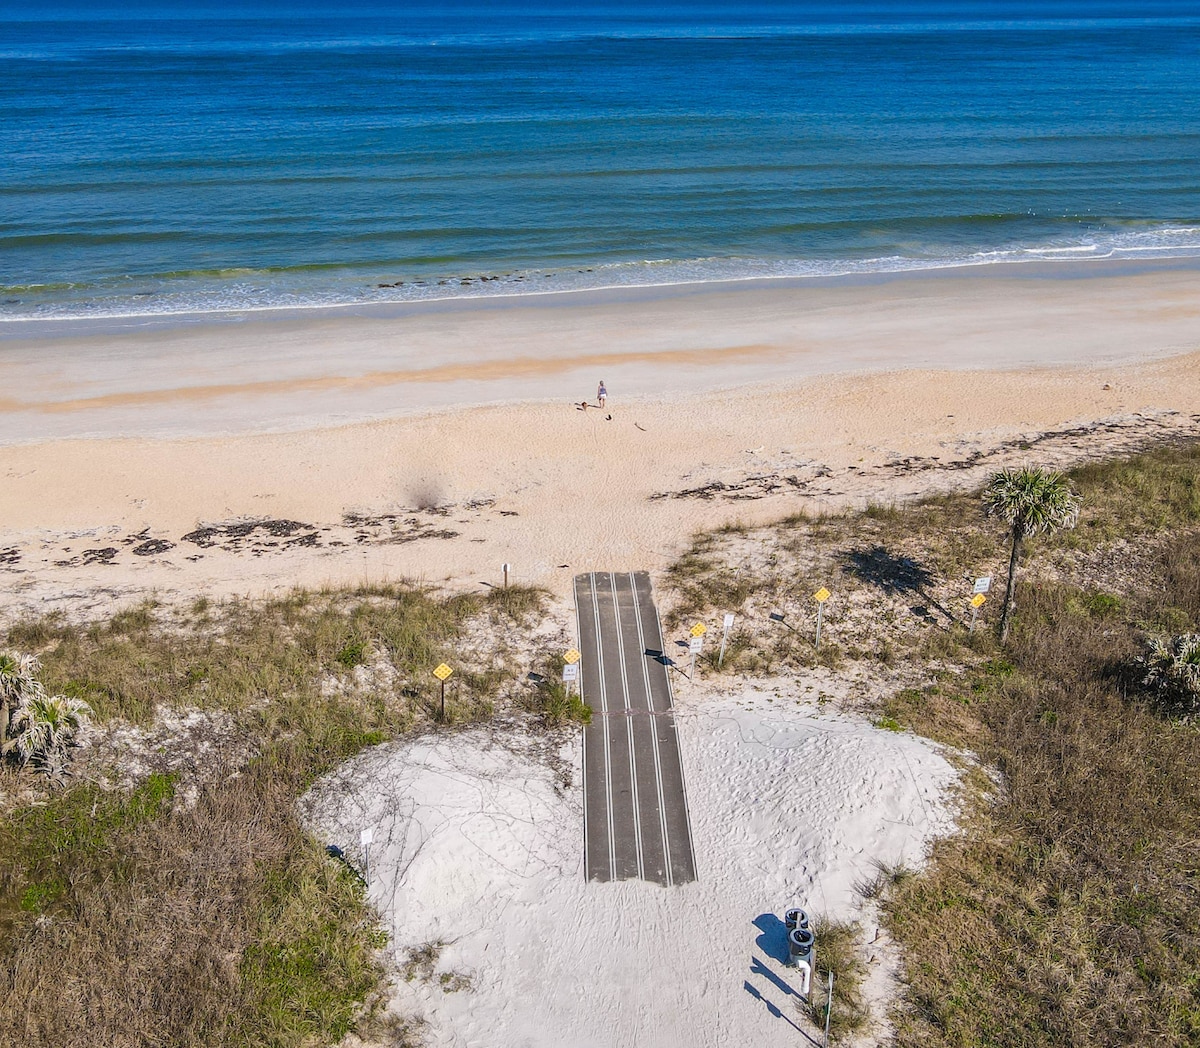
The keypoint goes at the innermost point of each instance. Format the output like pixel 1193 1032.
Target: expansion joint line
pixel 633 780
pixel 608 798
pixel 658 775
pixel 583 732
pixel 687 814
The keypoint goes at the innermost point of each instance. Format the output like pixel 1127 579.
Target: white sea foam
pixel 238 291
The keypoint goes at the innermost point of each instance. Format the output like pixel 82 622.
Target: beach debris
pixel 152 546
pixel 237 532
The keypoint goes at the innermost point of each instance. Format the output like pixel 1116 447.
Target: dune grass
pixel 1067 910
pixel 199 912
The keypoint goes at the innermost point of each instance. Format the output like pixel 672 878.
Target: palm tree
pixel 18 683
pixel 1030 501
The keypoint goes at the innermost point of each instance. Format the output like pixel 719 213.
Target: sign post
pixel 442 672
pixel 976 604
pixel 571 669
pixel 506 568
pixel 725 638
pixel 365 838
pixel 821 596
pixel 695 645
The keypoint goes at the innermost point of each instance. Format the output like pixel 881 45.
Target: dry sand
pixel 437 443
pixel 477 846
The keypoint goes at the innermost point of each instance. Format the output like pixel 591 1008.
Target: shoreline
pixel 289 376
pixel 1066 268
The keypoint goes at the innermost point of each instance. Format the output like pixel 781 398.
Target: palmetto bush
pixel 18 683
pixel 45 727
pixel 37 726
pixel 1172 669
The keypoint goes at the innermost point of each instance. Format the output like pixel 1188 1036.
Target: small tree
pixel 1030 501
pixel 1172 668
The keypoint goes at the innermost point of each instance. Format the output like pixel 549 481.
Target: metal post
pixel 506 576
pixel 828 1007
pixel 443 716
pixel 820 610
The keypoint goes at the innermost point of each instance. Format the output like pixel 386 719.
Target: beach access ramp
pixel 635 803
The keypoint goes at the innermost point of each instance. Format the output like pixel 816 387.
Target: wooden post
pixel 443 716
pixel 820 609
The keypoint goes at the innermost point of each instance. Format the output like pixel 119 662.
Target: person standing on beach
pixel 601 393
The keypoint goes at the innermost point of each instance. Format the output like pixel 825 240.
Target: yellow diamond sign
pixel 699 629
pixel 977 600
pixel 822 595
pixel 442 672
pixel 571 657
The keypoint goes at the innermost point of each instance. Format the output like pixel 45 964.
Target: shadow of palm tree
pixel 898 576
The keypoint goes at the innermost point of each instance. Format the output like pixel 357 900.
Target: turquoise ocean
pixel 166 159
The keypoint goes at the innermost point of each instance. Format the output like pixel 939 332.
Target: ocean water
pixel 160 159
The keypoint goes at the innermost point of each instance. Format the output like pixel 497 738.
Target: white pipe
pixel 805 976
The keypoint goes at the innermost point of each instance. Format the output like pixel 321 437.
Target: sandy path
pixel 481 847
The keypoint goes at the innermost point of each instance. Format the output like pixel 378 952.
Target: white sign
pixel 571 672
pixel 729 622
pixel 695 645
pixel 367 836
pixel 983 585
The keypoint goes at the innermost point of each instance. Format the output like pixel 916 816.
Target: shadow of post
pixel 773 940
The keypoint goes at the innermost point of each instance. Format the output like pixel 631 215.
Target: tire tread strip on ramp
pixel 635 803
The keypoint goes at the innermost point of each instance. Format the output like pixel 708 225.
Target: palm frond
pixel 1032 501
pixel 18 676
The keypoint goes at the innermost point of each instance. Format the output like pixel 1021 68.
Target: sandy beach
pixel 437 442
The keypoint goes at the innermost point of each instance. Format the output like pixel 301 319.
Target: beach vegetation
pixel 1031 501
pixel 44 728
pixel 516 603
pixel 172 895
pixel 551 699
pixel 1171 668
pixel 837 950
pixel 1063 909
pixel 18 683
pixel 36 728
